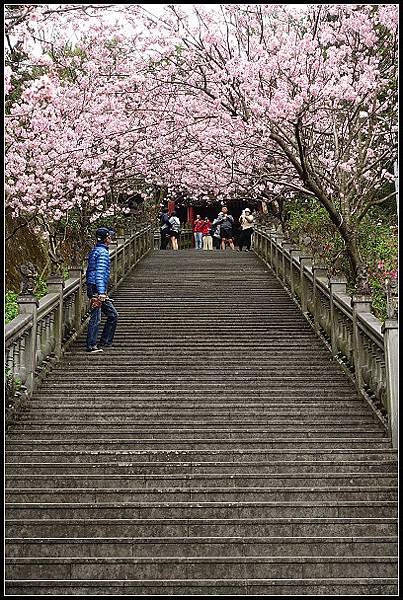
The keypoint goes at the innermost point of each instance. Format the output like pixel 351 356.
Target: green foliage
pixel 68 73
pixel 311 229
pixel 41 287
pixel 13 391
pixel 379 247
pixel 13 383
pixel 11 306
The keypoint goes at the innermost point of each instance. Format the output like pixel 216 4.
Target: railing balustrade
pixel 366 350
pixel 45 329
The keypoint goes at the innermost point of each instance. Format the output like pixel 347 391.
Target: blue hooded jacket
pixel 99 267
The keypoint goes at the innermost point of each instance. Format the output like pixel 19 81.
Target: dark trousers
pixel 216 243
pixel 245 238
pixel 164 238
pixel 109 329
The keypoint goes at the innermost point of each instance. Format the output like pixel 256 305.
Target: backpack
pixel 175 224
pixel 226 225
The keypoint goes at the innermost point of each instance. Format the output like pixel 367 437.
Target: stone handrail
pixel 366 349
pixel 45 329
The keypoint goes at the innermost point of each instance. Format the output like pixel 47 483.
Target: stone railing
pixel 366 349
pixel 46 328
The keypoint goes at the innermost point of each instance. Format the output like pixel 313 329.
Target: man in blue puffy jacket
pixel 97 275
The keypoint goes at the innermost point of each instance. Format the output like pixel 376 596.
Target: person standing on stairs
pixel 164 229
pixel 206 231
pixel 246 220
pixel 198 232
pixel 215 230
pixel 226 223
pixel 97 276
pixel 175 230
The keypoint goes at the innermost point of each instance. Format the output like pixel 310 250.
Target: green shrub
pixel 41 287
pixel 311 229
pixel 11 306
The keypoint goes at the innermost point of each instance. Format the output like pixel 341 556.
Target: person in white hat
pixel 247 222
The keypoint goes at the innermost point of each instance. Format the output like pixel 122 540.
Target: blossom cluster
pixel 246 100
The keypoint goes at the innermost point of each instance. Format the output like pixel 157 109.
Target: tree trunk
pixel 358 267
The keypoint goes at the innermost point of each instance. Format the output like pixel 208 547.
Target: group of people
pixel 218 234
pixel 170 229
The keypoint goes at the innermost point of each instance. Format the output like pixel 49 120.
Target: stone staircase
pixel 215 449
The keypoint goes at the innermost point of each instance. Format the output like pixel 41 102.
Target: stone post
pixel 264 241
pixel 294 253
pixel 55 286
pixel 318 270
pixel 270 257
pixel 129 256
pixel 286 246
pixel 114 263
pixel 360 304
pixel 121 260
pixel 76 273
pixel 28 305
pixel 391 345
pixel 278 240
pixel 157 240
pixel 151 240
pixel 304 261
pixel 337 284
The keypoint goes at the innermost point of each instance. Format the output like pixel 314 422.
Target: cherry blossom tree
pixel 67 155
pixel 259 98
pixel 309 104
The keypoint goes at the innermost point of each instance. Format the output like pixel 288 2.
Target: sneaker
pixel 94 350
pixel 246 250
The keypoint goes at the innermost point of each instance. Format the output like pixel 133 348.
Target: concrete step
pixel 377 443
pixel 255 567
pixel 310 404
pixel 195 480
pixel 201 546
pixel 238 381
pixel 239 457
pixel 224 587
pixel 133 468
pixel 166 509
pixel 265 368
pixel 136 389
pixel 200 494
pixel 276 359
pixel 102 432
pixel 177 420
pixel 175 414
pixel 147 528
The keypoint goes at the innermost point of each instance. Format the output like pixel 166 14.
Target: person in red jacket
pixel 197 232
pixel 206 231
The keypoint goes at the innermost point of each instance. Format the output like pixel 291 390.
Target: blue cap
pixel 103 232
